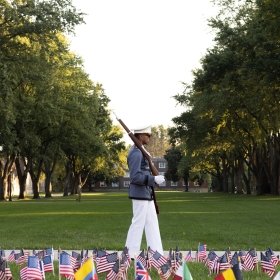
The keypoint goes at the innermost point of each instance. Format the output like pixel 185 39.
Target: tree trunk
pixel 35 176
pixel 22 171
pixel 48 173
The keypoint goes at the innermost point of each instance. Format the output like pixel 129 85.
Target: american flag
pixel 48 263
pixel 229 254
pixel 77 260
pixel 224 262
pixel 267 266
pixel 33 268
pixel 97 255
pixel 235 261
pixel 176 260
pixel 212 262
pixel 20 257
pixel 114 272
pixel 142 257
pixel 23 273
pixel 124 262
pixel 188 257
pixel 2 269
pixel 8 272
pixel 65 266
pixel 39 254
pixel 11 257
pixel 141 272
pixel 106 262
pixel 250 260
pixel 72 260
pixel 242 255
pixel 201 254
pixel 49 251
pixel 2 254
pixel 271 255
pixel 165 270
pixel 41 265
pixel 84 255
pixel 157 260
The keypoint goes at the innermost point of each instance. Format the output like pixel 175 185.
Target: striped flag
pixel 250 260
pixel 212 262
pixel 65 266
pixel 106 262
pixel 142 257
pixel 271 255
pixel 266 265
pixel 165 270
pixel 48 263
pixel 11 257
pixel 114 272
pixel 188 257
pixel 141 272
pixel 224 262
pixel 157 260
pixel 201 254
pixel 33 268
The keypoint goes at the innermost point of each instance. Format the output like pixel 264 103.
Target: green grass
pixel 101 220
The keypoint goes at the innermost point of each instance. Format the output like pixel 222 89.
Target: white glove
pixel 159 179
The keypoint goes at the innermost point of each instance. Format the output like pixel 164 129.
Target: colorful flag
pixel 33 268
pixel 236 266
pixel 226 275
pixel 65 266
pixel 183 273
pixel 87 271
pixel 141 272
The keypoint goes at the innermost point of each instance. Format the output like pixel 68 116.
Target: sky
pixel 142 51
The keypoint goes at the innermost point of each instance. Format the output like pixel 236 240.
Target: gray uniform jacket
pixel 140 175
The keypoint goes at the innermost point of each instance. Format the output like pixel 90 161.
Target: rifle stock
pixel 153 169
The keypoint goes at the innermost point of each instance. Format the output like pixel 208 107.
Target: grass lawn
pixel 101 220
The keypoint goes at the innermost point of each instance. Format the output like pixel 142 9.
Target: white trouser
pixel 144 217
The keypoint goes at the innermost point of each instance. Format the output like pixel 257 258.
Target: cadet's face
pixel 145 138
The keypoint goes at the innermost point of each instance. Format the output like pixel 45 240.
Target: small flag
pixel 87 271
pixel 183 273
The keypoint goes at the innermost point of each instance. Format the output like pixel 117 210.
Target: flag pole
pixel 257 264
pixel 58 254
pixel 135 262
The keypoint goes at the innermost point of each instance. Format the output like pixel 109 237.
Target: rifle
pixel 153 169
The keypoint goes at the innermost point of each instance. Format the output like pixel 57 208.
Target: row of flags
pixel 76 265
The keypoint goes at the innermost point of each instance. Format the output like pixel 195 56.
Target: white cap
pixel 147 130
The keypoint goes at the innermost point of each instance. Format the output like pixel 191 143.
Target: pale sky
pixel 141 51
